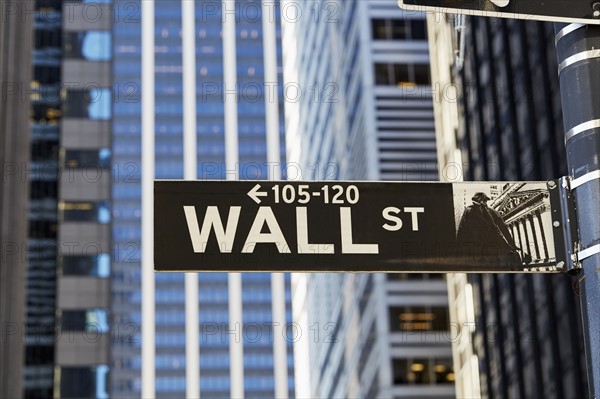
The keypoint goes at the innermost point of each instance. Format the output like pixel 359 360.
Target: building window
pixel 44 151
pixel 84 382
pixel 90 265
pixel 82 159
pixel 402 75
pixel 90 45
pixel 45 38
pixel 419 318
pixel 92 320
pixel 399 29
pixel 382 74
pixel 422 371
pixel 98 212
pixel 421 74
pixel 46 75
pixel 93 103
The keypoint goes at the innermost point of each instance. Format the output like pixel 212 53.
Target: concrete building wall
pixel 15 56
pixel 444 41
pixel 82 354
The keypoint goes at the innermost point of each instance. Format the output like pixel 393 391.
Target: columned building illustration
pixel 522 212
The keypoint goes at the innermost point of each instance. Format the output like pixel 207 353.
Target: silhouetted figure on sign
pixel 484 237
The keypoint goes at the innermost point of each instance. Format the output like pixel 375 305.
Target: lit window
pixel 85 211
pixel 422 371
pixel 419 318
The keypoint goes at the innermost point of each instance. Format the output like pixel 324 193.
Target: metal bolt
pixel 596 8
pixel 560 265
pixel 551 184
pixel 556 223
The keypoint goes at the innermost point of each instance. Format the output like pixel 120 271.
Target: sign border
pixel 495 14
pixel 555 267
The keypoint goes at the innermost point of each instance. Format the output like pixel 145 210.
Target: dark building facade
pixel 529 333
pixel 43 209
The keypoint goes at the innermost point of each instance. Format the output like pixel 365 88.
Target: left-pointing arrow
pixel 255 194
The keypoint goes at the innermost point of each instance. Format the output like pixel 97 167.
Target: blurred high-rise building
pixel 256 330
pixel 365 112
pixel 498 117
pixel 66 333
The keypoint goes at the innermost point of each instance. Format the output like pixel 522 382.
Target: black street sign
pixel 355 226
pixel 580 11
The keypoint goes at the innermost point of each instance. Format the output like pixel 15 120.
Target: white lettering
pixel 274 236
pixel 212 219
pixel 415 216
pixel 348 247
pixel 388 215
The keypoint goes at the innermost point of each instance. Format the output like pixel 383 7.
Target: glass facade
pixel 257 330
pixel 373 121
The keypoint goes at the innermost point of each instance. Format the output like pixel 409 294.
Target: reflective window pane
pixel 84 382
pixel 93 265
pixel 90 45
pixel 422 74
pixel 93 320
pixel 87 158
pixel 94 103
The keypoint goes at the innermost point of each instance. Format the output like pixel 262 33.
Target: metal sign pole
pixel 578 48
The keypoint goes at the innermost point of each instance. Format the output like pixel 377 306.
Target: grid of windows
pixel 43 213
pixel 382 127
pixel 213 288
pixel 402 75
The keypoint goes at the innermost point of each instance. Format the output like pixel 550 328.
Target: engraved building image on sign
pixel 512 219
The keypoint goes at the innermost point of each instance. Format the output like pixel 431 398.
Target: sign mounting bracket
pixel 564 220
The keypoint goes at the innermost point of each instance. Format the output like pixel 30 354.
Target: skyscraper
pixel 527 336
pixel 67 324
pixel 366 113
pixel 219 332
